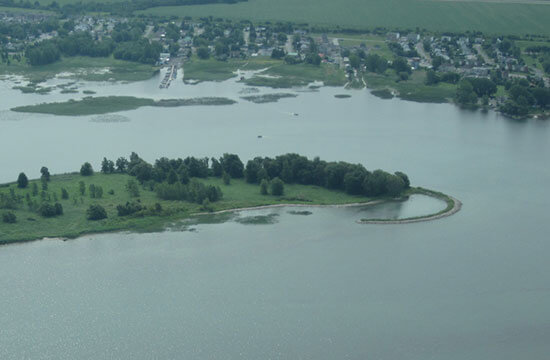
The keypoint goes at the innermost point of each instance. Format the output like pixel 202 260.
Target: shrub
pixel 277 187
pixel 9 218
pixel 263 187
pixel 96 212
pixel 128 209
pixel 226 178
pixel 49 210
pixel 132 187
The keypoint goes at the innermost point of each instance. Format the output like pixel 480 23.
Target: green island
pixel 134 195
pixel 109 104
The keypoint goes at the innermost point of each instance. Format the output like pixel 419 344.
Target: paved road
pixel 483 54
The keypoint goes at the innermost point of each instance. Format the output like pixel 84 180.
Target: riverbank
pixel 81 68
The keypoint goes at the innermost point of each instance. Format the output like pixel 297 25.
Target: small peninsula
pixel 134 195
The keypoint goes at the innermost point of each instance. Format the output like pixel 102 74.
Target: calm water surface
pixel 472 286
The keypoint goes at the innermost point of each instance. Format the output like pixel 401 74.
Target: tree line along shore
pixel 132 194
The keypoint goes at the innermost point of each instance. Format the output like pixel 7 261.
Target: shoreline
pixel 274 206
pixel 154 224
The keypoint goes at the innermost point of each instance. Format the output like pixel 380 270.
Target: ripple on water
pixel 110 118
pixel 8 115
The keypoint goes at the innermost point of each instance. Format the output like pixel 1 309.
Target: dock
pixel 170 75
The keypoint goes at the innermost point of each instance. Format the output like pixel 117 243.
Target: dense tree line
pixel 141 51
pixel 172 178
pixel 45 52
pixel 470 90
pixel 522 97
pixel 194 191
pixel 126 42
pixel 351 178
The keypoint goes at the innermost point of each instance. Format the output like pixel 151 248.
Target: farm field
pixel 501 17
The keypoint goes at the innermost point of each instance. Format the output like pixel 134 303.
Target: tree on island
pixel 86 169
pixel 22 181
pixel 107 166
pixel 277 187
pixel 121 165
pixel 232 165
pixel 45 173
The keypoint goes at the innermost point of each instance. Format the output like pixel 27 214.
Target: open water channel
pixel 475 285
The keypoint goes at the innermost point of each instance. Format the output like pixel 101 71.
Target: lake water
pixel 475 285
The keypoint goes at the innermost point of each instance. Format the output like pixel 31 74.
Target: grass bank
pixel 111 104
pixel 414 89
pixel 287 76
pixel 73 222
pixel 214 70
pixel 82 68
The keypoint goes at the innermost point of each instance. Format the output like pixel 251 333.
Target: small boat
pixel 260 136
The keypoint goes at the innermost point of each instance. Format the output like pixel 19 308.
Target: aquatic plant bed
pixel 110 104
pixel 267 98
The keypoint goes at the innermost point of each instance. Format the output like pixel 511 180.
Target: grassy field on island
pixel 110 104
pixel 83 68
pixel 73 222
pixel 214 70
pixel 497 17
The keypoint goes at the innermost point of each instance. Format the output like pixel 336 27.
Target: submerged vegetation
pixel 267 98
pixel 132 194
pixel 108 104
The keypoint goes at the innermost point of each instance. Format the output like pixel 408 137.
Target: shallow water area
pixel 471 286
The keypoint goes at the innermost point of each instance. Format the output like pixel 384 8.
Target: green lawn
pixel 238 194
pixel 286 76
pixel 413 89
pixel 214 70
pixel 84 68
pixel 23 10
pixel 458 16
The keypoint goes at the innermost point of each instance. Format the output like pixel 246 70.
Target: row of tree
pixel 169 177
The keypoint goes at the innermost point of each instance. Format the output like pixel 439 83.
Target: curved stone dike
pixel 450 210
